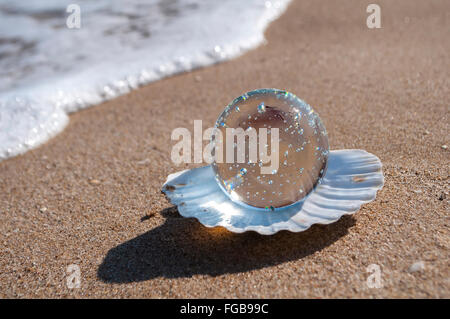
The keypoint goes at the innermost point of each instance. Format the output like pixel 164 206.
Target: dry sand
pixel 91 196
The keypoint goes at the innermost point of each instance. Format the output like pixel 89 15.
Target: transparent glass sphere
pixel 283 172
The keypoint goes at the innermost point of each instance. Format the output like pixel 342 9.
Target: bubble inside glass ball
pixel 302 149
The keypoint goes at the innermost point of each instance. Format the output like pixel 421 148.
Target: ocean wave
pixel 49 70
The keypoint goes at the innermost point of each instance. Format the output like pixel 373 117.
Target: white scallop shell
pixel 353 178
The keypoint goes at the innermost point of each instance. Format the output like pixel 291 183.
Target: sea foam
pixel 48 70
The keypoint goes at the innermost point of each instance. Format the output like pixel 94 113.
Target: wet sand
pixel 91 196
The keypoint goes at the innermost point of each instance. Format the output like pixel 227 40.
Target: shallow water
pixel 48 70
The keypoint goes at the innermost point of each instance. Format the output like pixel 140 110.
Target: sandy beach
pixel 91 196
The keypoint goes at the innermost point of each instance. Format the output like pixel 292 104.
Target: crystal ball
pixel 270 149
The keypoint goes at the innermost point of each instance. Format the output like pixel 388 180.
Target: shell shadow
pixel 182 247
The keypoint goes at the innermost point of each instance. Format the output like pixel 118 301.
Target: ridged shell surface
pixel 353 178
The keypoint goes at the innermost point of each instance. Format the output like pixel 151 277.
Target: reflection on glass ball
pixel 287 168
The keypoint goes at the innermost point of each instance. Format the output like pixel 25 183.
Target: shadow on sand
pixel 183 247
